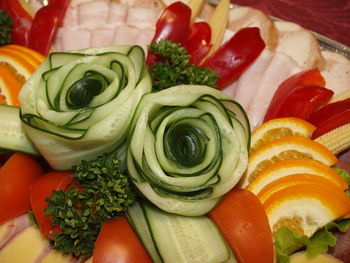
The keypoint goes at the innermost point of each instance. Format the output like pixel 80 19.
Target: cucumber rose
pixel 79 105
pixel 188 146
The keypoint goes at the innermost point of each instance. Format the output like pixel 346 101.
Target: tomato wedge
pixel 16 175
pixel 43 188
pixel 118 243
pixel 243 222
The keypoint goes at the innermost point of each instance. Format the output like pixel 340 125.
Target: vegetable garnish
pixel 5 28
pixel 175 68
pixel 188 146
pixel 288 241
pixel 79 105
pixel 102 193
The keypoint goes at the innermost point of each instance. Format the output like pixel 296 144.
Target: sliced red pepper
pixel 42 189
pixel 308 77
pixel 174 25
pixel 198 43
pixel 22 21
pixel 236 55
pixel 330 116
pixel 45 26
pixel 303 101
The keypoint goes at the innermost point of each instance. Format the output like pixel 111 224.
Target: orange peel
pixel 290 147
pixel 295 166
pixel 279 128
pixel 306 207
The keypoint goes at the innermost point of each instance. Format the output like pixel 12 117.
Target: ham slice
pixel 336 72
pixel 142 17
pixel 92 14
pixel 280 68
pixel 300 44
pixel 101 37
pixel 242 16
pixel 125 35
pixel 75 39
pixel 117 13
pixel 248 82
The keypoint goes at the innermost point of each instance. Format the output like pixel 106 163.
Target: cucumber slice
pixel 186 239
pixel 12 134
pixel 173 238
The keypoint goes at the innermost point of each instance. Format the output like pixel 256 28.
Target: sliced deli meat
pixel 300 44
pixel 250 17
pixel 336 72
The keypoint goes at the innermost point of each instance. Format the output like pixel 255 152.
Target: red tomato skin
pixel 236 55
pixel 243 222
pixel 16 176
pixel 43 188
pixel 118 243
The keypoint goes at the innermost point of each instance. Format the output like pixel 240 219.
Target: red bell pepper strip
pixel 42 189
pixel 308 77
pixel 236 55
pixel 22 21
pixel 330 116
pixel 303 101
pixel 174 25
pixel 198 43
pixel 45 26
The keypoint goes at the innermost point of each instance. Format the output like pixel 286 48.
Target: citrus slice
pixel 290 147
pixel 294 179
pixel 29 54
pixel 19 66
pixel 9 87
pixel 279 128
pixel 305 208
pixel 295 166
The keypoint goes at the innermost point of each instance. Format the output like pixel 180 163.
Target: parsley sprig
pixel 102 193
pixel 175 68
pixel 5 28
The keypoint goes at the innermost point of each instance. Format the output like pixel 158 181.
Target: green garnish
pixel 287 241
pixel 103 193
pixel 176 69
pixel 5 28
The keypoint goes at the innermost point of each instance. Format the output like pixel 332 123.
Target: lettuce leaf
pixel 288 241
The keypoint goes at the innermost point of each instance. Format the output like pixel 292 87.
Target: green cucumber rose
pixel 78 105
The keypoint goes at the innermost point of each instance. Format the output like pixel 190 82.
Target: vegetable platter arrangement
pixel 149 131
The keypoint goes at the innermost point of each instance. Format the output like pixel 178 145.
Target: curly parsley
pixel 5 28
pixel 175 69
pixel 102 193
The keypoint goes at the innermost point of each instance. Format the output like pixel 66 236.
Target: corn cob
pixel 218 23
pixel 337 140
pixel 340 96
pixel 195 6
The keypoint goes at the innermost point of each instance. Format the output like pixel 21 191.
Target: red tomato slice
pixel 118 243
pixel 16 175
pixel 243 222
pixel 43 188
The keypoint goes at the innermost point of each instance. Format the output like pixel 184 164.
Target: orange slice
pixel 294 179
pixel 9 87
pixel 279 128
pixel 290 147
pixel 306 207
pixel 295 166
pixel 31 55
pixel 19 66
